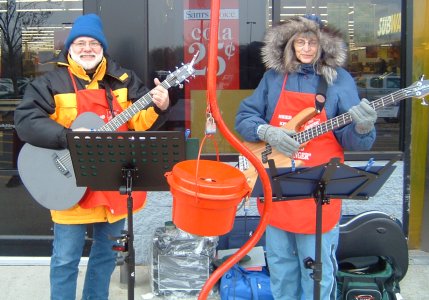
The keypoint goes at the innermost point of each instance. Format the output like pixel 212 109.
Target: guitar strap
pixel 320 98
pixel 108 96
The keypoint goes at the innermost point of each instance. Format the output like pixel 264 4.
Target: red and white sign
pixel 196 16
pixel 196 38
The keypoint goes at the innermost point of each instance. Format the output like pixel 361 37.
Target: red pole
pixel 236 143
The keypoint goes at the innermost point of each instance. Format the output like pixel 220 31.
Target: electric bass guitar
pixel 263 151
pixel 48 174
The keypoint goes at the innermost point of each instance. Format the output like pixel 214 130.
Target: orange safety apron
pixel 95 101
pixel 299 216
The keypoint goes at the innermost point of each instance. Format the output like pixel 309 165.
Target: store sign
pixel 196 36
pixel 389 25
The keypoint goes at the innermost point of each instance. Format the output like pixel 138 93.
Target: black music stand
pixel 125 161
pixel 331 180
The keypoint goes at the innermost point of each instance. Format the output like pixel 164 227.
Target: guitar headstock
pixel 418 89
pixel 181 74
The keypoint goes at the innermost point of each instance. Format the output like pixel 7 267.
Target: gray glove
pixel 364 116
pixel 279 138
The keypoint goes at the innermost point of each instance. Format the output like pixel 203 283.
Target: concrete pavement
pixel 28 279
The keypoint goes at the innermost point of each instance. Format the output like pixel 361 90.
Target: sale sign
pixel 196 16
pixel 196 36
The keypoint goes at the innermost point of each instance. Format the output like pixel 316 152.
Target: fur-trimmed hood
pixel 333 48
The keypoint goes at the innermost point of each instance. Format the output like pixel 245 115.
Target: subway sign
pixel 389 25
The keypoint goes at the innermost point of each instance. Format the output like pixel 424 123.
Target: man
pixel 301 54
pixel 85 79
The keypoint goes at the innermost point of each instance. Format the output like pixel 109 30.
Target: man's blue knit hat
pixel 87 25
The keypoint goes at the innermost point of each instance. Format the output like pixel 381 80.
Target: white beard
pixel 86 65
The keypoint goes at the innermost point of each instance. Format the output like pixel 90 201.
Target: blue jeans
pixel 69 241
pixel 286 252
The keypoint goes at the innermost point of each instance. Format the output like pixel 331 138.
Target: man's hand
pixel 364 116
pixel 160 95
pixel 280 138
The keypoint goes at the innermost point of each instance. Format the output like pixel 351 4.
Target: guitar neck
pixel 128 113
pixel 344 119
pixel 173 79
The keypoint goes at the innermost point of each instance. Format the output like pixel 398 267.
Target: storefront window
pixel 179 29
pixel 31 34
pixel 372 31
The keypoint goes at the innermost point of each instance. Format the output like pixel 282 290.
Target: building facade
pixel 388 51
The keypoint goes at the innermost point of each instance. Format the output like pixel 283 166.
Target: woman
pixel 301 55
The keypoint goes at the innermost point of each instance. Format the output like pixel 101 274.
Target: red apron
pixel 91 100
pixel 299 216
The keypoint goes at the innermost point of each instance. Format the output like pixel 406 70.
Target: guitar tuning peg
pixel 176 68
pixel 187 80
pixel 180 86
pixel 424 103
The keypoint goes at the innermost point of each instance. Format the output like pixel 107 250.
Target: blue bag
pixel 241 284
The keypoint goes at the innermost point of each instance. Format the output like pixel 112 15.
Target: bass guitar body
pixel 263 150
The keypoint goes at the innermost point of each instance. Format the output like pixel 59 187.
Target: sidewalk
pixel 25 282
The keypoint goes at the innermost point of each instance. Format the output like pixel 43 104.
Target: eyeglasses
pixel 93 45
pixel 311 43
